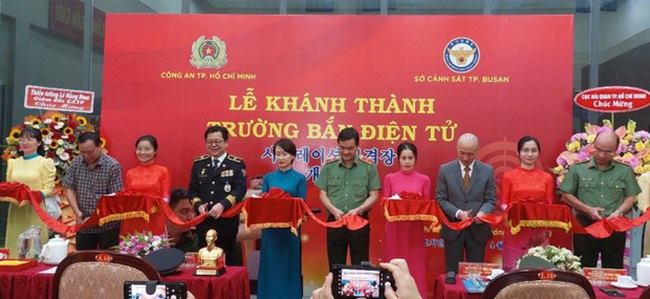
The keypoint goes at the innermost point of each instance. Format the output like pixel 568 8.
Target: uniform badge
pixel 208 53
pixel 227 173
pixel 202 172
pixel 227 187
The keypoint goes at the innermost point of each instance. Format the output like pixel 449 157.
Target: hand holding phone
pixel 162 290
pixel 359 281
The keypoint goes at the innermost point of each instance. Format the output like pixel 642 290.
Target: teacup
pixel 495 272
pixel 625 280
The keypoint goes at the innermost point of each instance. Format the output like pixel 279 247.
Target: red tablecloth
pixel 30 284
pixel 457 291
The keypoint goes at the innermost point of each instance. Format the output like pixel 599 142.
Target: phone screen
pixel 359 283
pixel 139 291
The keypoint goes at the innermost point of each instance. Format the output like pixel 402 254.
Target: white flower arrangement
pixel 561 258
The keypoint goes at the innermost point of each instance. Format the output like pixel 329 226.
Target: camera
pixel 154 290
pixel 359 281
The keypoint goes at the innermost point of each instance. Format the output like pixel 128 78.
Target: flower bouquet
pixel 60 132
pixel 633 150
pixel 562 258
pixel 142 244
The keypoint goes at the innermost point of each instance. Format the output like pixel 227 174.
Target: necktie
pixel 466 178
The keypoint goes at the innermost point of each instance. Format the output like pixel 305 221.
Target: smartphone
pixel 163 290
pixel 612 292
pixel 359 281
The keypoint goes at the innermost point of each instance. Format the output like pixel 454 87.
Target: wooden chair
pixel 99 274
pixel 539 284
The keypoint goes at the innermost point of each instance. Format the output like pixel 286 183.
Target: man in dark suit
pixel 218 182
pixel 465 189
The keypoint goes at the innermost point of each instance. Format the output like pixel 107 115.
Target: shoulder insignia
pixel 201 158
pixel 330 160
pixel 367 160
pixel 234 159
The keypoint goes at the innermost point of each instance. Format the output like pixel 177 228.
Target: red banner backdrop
pixel 425 79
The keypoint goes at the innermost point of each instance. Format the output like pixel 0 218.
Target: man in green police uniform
pixel 348 185
pixel 600 188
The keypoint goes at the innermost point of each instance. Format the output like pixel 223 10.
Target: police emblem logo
pixel 461 55
pixel 208 53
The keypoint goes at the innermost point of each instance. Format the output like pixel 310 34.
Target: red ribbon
pixel 413 204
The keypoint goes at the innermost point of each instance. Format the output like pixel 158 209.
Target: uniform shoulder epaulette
pixel 583 161
pixel 622 162
pixel 201 158
pixel 366 159
pixel 330 160
pixel 234 159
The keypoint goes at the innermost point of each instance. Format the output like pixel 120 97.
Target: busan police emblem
pixel 461 55
pixel 208 53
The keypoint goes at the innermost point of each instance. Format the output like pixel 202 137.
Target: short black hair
pixel 90 135
pixel 214 129
pixel 176 195
pixel 287 145
pixel 347 134
pixel 150 138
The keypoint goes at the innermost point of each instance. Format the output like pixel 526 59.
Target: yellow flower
pixel 646 168
pixel 646 158
pixel 591 138
pixel 558 169
pixel 574 146
pixel 607 123
pixel 639 169
pixel 68 131
pixel 35 121
pixel 14 135
pixel 57 117
pixel 639 146
pixel 45 132
pixel 625 142
pixel 627 137
pixel 54 145
pixel 628 155
pixel 103 141
pixel 82 120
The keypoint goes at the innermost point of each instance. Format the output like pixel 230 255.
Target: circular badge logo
pixel 461 55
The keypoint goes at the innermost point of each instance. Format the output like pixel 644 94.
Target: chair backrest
pixel 539 283
pixel 99 274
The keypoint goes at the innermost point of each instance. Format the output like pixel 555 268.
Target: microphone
pixel 451 277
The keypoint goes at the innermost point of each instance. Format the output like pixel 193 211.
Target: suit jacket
pixel 225 184
pixel 451 196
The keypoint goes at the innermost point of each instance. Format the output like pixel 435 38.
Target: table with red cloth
pixel 29 284
pixel 457 290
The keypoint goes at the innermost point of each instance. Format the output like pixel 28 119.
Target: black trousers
pixel 340 239
pixel 587 247
pixel 231 249
pixel 611 250
pixel 104 240
pixel 464 244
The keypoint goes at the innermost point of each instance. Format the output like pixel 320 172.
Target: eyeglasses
pixel 215 142
pixel 25 139
pixel 600 151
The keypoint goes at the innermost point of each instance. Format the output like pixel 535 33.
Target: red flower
pixel 56 135
pixel 71 138
pixel 52 125
pixel 72 123
pixel 50 154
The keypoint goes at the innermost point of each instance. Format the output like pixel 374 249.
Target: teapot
pixel 55 250
pixel 643 271
pixel 29 243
